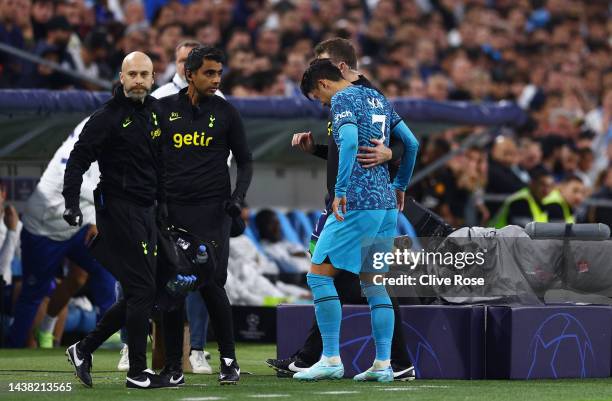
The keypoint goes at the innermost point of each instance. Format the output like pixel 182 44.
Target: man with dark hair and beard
pixel 199 129
pixel 124 137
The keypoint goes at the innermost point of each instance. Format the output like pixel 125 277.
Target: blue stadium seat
pixel 287 229
pixel 301 224
pixel 249 231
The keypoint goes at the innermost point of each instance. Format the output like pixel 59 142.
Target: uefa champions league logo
pixel 421 352
pixel 561 341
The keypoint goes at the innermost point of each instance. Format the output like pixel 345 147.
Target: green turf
pixel 50 366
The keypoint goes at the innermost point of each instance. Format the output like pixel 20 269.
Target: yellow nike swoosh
pixel 126 124
pixel 173 118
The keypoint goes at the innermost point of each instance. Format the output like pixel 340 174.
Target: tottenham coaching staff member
pixel 124 137
pixel 199 129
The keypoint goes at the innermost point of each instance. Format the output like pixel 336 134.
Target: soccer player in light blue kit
pixel 365 208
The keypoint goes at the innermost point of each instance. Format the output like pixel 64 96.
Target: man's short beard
pixel 137 97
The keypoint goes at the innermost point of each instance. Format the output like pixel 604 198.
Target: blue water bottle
pixel 201 255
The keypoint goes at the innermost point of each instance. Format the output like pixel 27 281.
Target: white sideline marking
pixel 338 392
pixel 432 386
pixel 202 398
pixel 399 389
pixel 268 395
pixel 414 386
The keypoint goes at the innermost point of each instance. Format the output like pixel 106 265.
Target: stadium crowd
pixel 552 57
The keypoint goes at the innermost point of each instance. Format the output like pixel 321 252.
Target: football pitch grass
pixel 50 366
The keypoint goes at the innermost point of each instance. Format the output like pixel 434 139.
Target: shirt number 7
pixel 380 118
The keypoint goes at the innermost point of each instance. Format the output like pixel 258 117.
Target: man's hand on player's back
pixel 373 156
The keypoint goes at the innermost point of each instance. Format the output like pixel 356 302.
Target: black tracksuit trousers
pixel 127 246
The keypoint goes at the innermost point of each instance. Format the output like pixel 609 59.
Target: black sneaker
pixel 147 379
pixel 173 374
pixel 403 373
pixel 287 367
pixel 229 372
pixel 82 364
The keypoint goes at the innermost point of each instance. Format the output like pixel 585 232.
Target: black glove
pixel 238 227
pixel 73 216
pixel 162 214
pixel 233 207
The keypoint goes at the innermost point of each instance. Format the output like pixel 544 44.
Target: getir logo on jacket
pixel 195 139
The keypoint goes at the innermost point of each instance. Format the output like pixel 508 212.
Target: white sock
pixel 331 360
pixel 379 365
pixel 48 324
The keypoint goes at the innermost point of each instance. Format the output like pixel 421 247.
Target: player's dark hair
pixel 197 55
pixel 318 69
pixel 339 50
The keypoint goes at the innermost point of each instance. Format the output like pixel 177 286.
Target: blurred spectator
pixel 552 148
pixel 530 155
pixel 294 68
pixel 42 12
pixel 289 257
pixel 461 73
pixel 437 88
pixel 464 189
pixel 585 165
pixel 569 161
pixel 90 61
pixel 603 192
pixel 268 43
pixel 169 35
pixel 564 200
pixel 24 22
pixel 392 88
pixel 10 230
pixel 53 48
pixel 11 35
pixel 432 190
pixel 241 61
pixel 207 34
pixel 599 120
pixel 134 13
pixel 504 176
pixel 416 88
pixel 526 205
pixel 239 38
pixel 250 274
pixel 426 59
